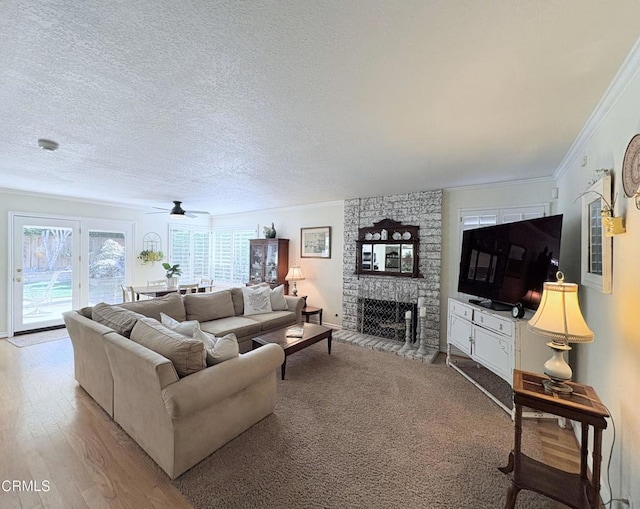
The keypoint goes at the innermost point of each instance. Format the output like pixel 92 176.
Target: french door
pixel 45 271
pixel 61 264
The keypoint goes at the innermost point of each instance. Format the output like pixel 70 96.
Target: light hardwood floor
pixel 50 429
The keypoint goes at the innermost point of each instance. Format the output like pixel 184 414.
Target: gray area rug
pixel 38 337
pixel 366 429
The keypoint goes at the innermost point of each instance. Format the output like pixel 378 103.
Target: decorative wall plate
pixel 368 236
pixel 397 236
pixel 406 235
pixel 631 167
pixel 376 236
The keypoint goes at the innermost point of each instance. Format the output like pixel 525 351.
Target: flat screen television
pixel 508 263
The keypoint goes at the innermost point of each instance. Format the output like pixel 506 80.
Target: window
pixel 191 248
pixel 470 219
pixel 231 254
pixel 479 218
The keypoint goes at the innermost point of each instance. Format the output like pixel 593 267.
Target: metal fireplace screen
pixel 386 319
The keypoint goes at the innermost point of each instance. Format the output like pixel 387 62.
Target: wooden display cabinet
pixel 269 262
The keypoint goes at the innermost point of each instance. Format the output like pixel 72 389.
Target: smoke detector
pixel 47 144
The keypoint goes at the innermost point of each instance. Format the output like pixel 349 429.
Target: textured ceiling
pixel 243 105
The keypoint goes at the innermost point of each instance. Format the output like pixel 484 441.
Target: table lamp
pixel 295 274
pixel 559 317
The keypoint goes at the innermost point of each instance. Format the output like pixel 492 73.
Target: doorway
pixel 45 271
pixel 60 264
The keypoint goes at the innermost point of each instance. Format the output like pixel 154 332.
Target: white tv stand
pixel 495 340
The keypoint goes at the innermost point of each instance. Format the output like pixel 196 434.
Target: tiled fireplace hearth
pixel 374 306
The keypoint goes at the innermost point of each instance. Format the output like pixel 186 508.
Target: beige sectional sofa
pixel 178 420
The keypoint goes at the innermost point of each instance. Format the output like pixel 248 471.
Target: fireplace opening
pixel 386 319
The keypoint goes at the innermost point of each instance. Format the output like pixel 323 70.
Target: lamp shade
pixel 295 274
pixel 559 316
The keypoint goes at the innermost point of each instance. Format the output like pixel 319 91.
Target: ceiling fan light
pixel 177 211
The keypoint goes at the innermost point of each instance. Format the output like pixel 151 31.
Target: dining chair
pixel 128 295
pixel 188 288
pixel 207 281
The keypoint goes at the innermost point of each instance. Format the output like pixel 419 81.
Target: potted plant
pixel 173 271
pixel 150 256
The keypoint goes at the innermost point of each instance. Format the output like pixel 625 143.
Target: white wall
pixel 611 364
pixel 515 194
pixel 34 203
pixel 323 283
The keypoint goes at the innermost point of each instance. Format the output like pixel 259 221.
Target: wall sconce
pixel 600 185
pixel 612 225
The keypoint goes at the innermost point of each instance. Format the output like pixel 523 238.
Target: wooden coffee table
pixel 311 334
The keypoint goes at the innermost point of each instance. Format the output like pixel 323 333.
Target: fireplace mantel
pixel 388 248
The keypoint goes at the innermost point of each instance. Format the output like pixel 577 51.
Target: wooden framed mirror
pixel 388 248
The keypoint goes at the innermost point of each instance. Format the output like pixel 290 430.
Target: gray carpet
pixel 366 429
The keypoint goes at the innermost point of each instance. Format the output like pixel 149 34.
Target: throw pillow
pixel 120 320
pixel 187 328
pixel 171 305
pixel 257 300
pixel 208 306
pixel 218 349
pixel 187 354
pixel 278 302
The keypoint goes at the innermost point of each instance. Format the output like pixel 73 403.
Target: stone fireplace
pixel 388 298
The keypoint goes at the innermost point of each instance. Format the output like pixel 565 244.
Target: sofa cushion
pixel 257 299
pixel 187 328
pixel 275 319
pixel 208 306
pixel 87 312
pixel 187 354
pixel 278 302
pixel 238 300
pixel 240 325
pixel 170 304
pixel 119 319
pixel 218 349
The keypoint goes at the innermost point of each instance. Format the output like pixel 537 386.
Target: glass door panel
pixel 106 266
pixel 271 266
pixel 45 271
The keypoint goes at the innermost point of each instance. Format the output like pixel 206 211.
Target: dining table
pixel 161 290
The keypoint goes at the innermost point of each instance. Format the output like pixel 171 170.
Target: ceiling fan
pixel 178 212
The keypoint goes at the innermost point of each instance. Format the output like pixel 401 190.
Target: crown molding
pixel 627 72
pixel 504 183
pixel 76 199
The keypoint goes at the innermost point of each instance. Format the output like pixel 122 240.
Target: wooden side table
pixel 584 406
pixel 307 311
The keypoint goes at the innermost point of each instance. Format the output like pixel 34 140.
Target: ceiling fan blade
pixel 161 208
pixel 197 212
pixel 161 212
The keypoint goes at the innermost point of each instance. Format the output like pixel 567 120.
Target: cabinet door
pixel 494 352
pixel 256 262
pixel 459 333
pixel 271 263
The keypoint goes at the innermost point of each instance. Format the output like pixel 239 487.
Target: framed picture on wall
pixel 315 242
